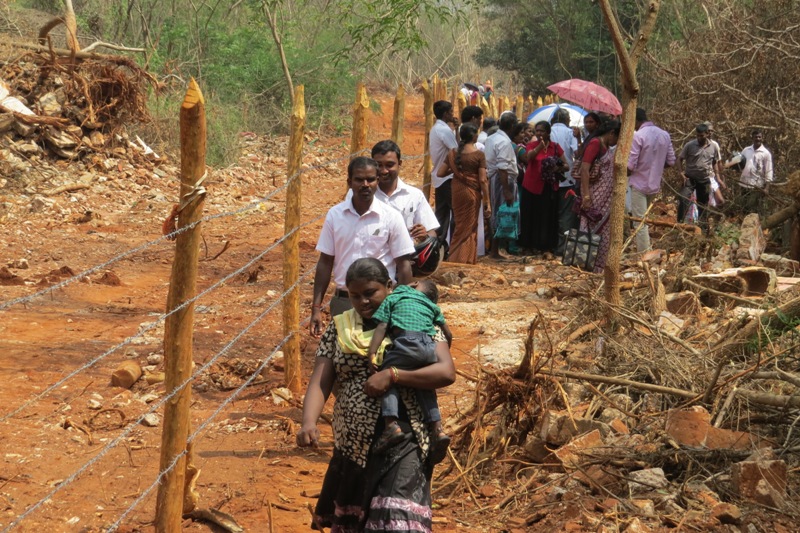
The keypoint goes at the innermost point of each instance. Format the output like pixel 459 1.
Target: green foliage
pixel 543 41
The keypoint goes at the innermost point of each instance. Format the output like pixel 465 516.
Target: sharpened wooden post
pixel 529 106
pixel 461 101
pixel 519 107
pixel 358 139
pixel 454 98
pixel 179 326
pixel 398 119
pixel 426 162
pixel 291 246
pixel 487 111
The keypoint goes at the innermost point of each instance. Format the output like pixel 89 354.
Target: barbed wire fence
pixel 125 430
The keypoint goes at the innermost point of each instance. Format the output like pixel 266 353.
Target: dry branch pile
pixel 683 410
pixel 71 106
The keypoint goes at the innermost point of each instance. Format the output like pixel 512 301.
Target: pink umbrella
pixel 587 95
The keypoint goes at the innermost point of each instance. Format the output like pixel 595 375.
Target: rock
pixel 126 374
pixel 281 395
pixel 609 414
pixel 619 427
pixel 39 204
pixel 601 479
pixel 751 241
pixel 783 266
pixel 571 455
pixel 94 405
pixel 692 427
pixel 536 450
pixel 683 303
pixel 155 359
pixel 760 480
pixel 645 507
pixel 648 480
pixel 670 323
pixel 109 278
pixel 19 264
pixel 450 279
pixel 9 278
pixel 557 427
pixel 48 104
pixel 28 149
pixel 151 420
pixel 636 526
pixel 727 513
pixel 497 279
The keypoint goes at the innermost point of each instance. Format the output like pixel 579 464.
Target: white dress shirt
pixel 563 136
pixel 442 140
pixel 380 233
pixel 410 203
pixel 758 169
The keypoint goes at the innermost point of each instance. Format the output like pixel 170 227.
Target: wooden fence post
pixel 179 326
pixel 435 87
pixel 519 107
pixel 358 139
pixel 291 246
pixel 454 98
pixel 461 102
pixel 426 163
pixel 398 119
pixel 529 106
pixel 487 111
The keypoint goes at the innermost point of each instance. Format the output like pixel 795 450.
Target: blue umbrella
pixel 576 114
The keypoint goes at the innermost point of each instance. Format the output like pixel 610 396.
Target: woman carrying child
pixel 365 490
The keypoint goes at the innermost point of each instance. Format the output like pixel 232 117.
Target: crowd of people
pixel 387 348
pixel 559 178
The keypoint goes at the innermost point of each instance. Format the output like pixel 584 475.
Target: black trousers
pixel 443 198
pixel 702 191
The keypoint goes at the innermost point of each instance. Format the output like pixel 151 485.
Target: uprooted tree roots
pixel 72 98
pixel 593 375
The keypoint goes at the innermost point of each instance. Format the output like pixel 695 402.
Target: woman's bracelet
pixel 395 374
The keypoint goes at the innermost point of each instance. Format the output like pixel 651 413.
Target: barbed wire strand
pixel 151 326
pixel 252 206
pixel 72 477
pixel 200 428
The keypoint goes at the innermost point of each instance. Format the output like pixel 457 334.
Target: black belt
pixel 341 293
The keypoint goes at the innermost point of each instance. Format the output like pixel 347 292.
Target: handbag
pixel 581 247
pixel 594 170
pixel 507 220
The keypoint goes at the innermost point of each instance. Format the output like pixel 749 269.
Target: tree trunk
pixel 630 93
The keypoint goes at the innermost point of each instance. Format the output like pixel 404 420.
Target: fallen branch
pixel 776 219
pixel 721 294
pixel 620 381
pixel 69 187
pixel 771 400
pixel 780 318
pixel 779 375
pixel 80 54
pixel 688 228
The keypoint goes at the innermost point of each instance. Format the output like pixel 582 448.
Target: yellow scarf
pixel 352 338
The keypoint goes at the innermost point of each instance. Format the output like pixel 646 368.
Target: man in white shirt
pixel 355 228
pixel 501 168
pixel 409 201
pixel 756 175
pixel 562 134
pixel 442 140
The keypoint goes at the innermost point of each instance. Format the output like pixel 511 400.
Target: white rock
pixel 151 420
pixel 94 405
pixel 648 480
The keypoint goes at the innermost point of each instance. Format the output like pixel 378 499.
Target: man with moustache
pixel 358 227
pixel 700 157
pixel 409 201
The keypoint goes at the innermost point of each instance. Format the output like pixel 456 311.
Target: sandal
pixel 391 436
